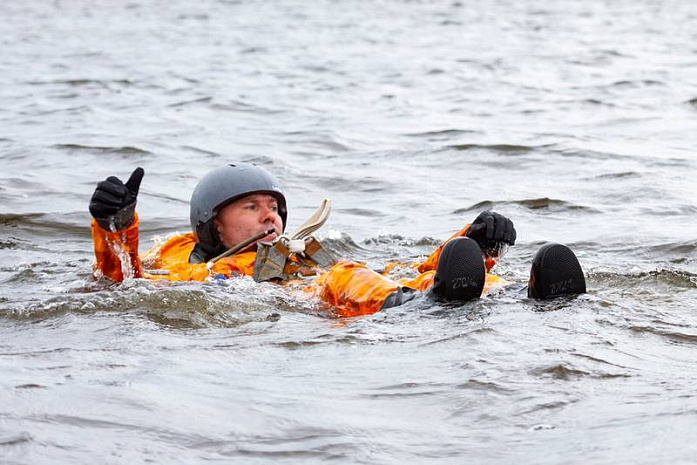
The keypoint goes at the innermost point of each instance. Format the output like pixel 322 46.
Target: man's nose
pixel 269 215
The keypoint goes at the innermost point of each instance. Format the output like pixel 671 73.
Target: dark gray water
pixel 576 119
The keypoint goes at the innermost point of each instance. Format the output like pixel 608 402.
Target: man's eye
pixel 274 208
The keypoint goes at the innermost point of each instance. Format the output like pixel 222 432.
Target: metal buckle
pixel 273 261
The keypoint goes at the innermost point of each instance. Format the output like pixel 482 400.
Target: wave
pixel 199 150
pixel 342 245
pixel 567 373
pixel 675 252
pixel 344 184
pixel 442 134
pixel 671 335
pixel 362 212
pixel 240 106
pixel 396 239
pixel 684 247
pixel 46 223
pixel 123 150
pixel 619 175
pixel 13 439
pixel 637 83
pixel 593 101
pixel 190 102
pixel 679 279
pixel 476 385
pixel 670 211
pixel 11 243
pixel 85 82
pixel 324 139
pixel 505 148
pixel 226 303
pixel 540 203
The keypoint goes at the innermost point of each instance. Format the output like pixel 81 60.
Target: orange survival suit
pixel 351 288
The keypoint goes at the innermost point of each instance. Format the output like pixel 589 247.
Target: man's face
pixel 247 217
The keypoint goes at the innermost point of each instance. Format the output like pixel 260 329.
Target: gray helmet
pixel 218 188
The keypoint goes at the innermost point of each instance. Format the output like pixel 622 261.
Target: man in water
pixel 235 202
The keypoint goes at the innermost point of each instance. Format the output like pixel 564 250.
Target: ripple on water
pixel 542 203
pixel 44 224
pixel 245 107
pixel 10 243
pixel 618 175
pixel 85 82
pixel 486 386
pixel 660 279
pixel 229 303
pixel 341 244
pixel 510 149
pixel 567 372
pixel 398 239
pixel 347 184
pixel 427 389
pixel 119 150
pixel 12 439
pixel 673 336
pixel 442 135
pixel 189 102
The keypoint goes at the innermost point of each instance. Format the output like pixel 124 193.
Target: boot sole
pixel 555 272
pixel 460 274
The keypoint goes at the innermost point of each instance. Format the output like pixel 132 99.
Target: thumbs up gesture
pixel 113 203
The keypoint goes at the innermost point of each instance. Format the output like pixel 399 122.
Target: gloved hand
pixel 491 231
pixel 113 203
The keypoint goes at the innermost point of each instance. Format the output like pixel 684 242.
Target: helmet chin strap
pixel 240 246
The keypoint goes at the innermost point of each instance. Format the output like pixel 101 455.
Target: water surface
pixel 578 120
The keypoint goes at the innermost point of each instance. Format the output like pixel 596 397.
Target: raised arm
pixel 491 230
pixel 115 227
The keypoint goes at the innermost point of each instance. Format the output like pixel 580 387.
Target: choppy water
pixel 576 119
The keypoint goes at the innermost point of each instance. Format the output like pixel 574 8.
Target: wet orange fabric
pixel 422 282
pixel 353 289
pixel 172 256
pixel 110 248
pixel 350 288
pixel 432 261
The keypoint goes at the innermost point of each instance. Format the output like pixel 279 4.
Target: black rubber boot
pixel 555 272
pixel 460 274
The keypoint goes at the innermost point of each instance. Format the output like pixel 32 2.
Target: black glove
pixel 113 203
pixel 491 230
